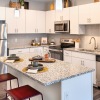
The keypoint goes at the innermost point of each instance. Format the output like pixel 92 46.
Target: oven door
pixel 56 54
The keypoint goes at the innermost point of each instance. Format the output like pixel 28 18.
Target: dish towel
pixel 32 71
pixel 9 61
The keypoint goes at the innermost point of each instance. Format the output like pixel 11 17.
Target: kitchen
pixel 22 41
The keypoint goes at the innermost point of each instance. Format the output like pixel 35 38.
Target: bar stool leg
pixel 42 96
pixel 10 84
pixel 17 82
pixel 29 98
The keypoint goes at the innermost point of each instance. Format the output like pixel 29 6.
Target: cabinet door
pixel 40 22
pixel 37 51
pixel 85 14
pixel 95 13
pixel 77 61
pixel 66 14
pixel 67 59
pixel 74 23
pixel 19 51
pixel 2 13
pixel 30 21
pixel 91 64
pixel 11 20
pixel 59 15
pixel 21 22
pixel 50 19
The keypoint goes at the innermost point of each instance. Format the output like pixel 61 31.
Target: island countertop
pixel 57 71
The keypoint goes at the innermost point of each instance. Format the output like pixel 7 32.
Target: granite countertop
pixel 82 50
pixel 57 71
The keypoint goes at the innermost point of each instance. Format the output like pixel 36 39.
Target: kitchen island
pixel 62 81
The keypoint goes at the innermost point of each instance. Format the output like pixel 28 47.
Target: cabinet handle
pixel 87 20
pixel 50 30
pixel 15 30
pixel 81 62
pixel 90 20
pixel 62 17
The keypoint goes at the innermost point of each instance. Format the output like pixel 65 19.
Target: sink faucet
pixel 95 47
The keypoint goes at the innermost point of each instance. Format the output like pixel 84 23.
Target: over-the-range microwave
pixel 62 26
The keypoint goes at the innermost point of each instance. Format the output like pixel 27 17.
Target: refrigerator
pixel 3 52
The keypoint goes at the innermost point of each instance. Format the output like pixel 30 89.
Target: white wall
pixel 34 5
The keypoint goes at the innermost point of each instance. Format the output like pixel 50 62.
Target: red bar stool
pixel 8 77
pixel 23 92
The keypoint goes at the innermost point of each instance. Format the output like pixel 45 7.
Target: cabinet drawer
pixel 83 55
pixel 67 53
pixel 36 49
pixel 18 51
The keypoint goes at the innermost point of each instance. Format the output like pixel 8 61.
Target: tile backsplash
pixel 23 39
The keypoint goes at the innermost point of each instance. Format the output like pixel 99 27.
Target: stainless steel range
pixel 57 51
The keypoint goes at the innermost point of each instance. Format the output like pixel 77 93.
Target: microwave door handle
pixel 63 27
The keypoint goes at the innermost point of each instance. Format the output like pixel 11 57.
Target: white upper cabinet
pixel 75 28
pixel 62 15
pixel 15 24
pixel 96 13
pixel 35 21
pixel 89 13
pixel 11 20
pixel 30 21
pixel 21 22
pixel 2 13
pixel 50 19
pixel 41 21
pixel 66 15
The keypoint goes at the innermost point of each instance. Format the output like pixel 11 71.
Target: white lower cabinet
pixel 67 56
pixel 35 50
pixel 86 63
pixel 18 51
pixel 77 58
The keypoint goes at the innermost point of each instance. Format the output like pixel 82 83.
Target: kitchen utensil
pixel 39 67
pixel 37 57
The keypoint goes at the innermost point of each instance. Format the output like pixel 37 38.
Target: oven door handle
pixel 55 50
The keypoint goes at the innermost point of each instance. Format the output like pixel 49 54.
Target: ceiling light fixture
pixel 16 12
pixel 58 5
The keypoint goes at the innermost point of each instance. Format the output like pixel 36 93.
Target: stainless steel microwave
pixel 62 26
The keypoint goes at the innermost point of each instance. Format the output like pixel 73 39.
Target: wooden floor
pixel 96 94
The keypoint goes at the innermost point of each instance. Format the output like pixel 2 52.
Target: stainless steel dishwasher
pixel 98 70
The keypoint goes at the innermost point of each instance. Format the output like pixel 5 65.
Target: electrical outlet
pixel 16 40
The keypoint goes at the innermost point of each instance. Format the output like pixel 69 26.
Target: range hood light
pixel 58 5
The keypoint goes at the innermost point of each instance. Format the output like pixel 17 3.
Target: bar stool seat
pixel 8 77
pixel 23 92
